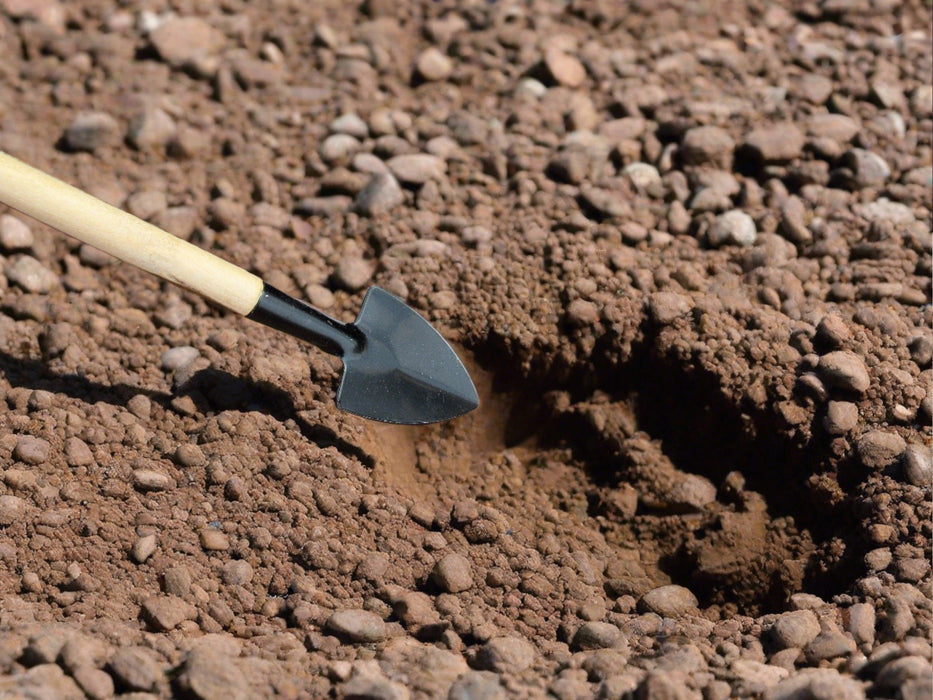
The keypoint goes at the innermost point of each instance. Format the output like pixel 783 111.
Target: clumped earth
pixel 684 248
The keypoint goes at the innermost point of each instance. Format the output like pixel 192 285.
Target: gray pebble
pixel 844 370
pixel 90 131
pixel 210 674
pixel 776 143
pixel 732 228
pixel 417 168
pixel 869 169
pixel 359 626
pixel 165 613
pixel 596 635
pixel 236 572
pixel 704 145
pixel 921 350
pixel 505 654
pixel 15 234
pixel 337 147
pixel 563 68
pixel 143 548
pixel 151 480
pixel 795 629
pixel 841 417
pixel 154 128
pixel 477 685
pixel 918 465
pixel 136 668
pixel 813 683
pixel 31 450
pixel 146 204
pixel 183 40
pixel 829 644
pixel 669 601
pixel 350 123
pixel 380 195
pixel 432 65
pixel 353 272
pixel 12 508
pixel 642 175
pixel 878 449
pixel 838 127
pixel 176 358
pixel 453 573
pixel 861 623
pixel 31 275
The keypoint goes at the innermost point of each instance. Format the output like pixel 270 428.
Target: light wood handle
pixel 126 237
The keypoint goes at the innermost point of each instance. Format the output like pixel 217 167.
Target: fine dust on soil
pixel 683 247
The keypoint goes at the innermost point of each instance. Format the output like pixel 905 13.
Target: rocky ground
pixel 684 247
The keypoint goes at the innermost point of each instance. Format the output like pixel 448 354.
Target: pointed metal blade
pixel 406 372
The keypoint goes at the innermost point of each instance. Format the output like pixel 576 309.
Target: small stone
pixel 77 453
pixel 669 601
pixel 176 358
pixel 146 480
pixel 732 228
pixel 605 202
pixel 31 450
pixel 183 40
pixel 209 674
pixel 862 623
pixel 31 275
pixel 380 195
pixel 596 635
pixel 90 131
pixel 154 128
pixel 844 370
pixel 165 613
pixel 664 685
pixel 338 147
pixel 432 65
pixel 795 629
pixel 143 548
pixel 12 509
pixel 918 465
pixel 213 540
pixel 838 127
pixel 778 143
pixel 359 626
pixel 15 234
pixel 453 573
pixel 96 684
pixel 841 417
pixel 350 123
pixel 135 668
pixel 887 95
pixel 921 350
pixel 829 644
pixel 176 581
pixel 897 672
pixel 563 68
pixel 704 145
pixel 236 573
pixel 643 175
pixel 353 272
pixel 665 307
pixel 570 165
pixel 146 204
pixel 878 449
pixel 878 559
pixel 505 655
pixel 477 685
pixel 417 168
pixel 869 169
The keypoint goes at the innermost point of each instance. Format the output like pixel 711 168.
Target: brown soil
pixel 684 249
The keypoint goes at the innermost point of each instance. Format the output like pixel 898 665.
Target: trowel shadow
pixel 210 390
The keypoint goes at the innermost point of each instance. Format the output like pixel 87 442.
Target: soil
pixel 683 247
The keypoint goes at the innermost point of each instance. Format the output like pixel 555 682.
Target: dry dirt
pixel 684 248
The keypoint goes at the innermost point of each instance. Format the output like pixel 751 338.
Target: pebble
pixel 564 68
pixel 417 168
pixel 152 129
pixel 878 449
pixel 606 202
pixel 707 145
pixel 643 175
pixel 918 465
pixel 582 313
pixel 505 655
pixel 175 358
pixel 189 455
pixel 665 307
pixel 868 168
pixel 755 676
pixel 829 644
pixel 12 509
pixel 895 673
pixel 841 417
pixel 596 635
pixel 691 493
pixel 31 275
pixel 453 573
pixel 358 626
pixel 432 65
pixel 210 674
pixel 735 227
pixel 380 195
pixel 236 572
pixel 861 623
pixel 338 147
pixel 143 548
pixel 843 369
pixel 31 450
pixel 90 131
pixel 165 613
pixel 15 234
pixel 350 123
pixel 145 204
pixel 838 127
pixel 176 581
pixel 777 143
pixel 477 685
pixel 96 684
pixel 135 668
pixel 795 629
pixel 816 684
pixel 183 40
pixel 353 272
pixel 664 685
pixel 669 601
pixel 151 480
pixel 213 540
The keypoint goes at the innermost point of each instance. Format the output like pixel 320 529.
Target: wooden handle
pixel 132 240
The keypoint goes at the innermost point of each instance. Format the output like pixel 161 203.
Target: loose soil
pixel 684 249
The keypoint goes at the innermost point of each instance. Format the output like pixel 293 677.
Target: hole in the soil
pixel 716 498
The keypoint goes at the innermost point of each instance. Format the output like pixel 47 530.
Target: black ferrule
pixel 284 313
